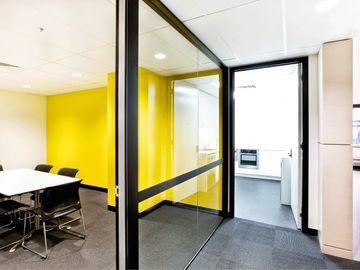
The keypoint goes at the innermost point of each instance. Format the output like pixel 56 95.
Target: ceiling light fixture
pixel 160 56
pixel 76 74
pixel 28 86
pixel 326 5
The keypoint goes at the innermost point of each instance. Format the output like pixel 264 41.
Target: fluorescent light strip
pixel 283 11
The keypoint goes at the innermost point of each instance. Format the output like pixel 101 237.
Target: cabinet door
pixel 337 202
pixel 336 93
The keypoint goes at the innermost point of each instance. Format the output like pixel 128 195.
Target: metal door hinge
pixel 117 191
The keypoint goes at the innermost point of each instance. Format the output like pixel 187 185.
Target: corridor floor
pixel 259 200
pixel 241 244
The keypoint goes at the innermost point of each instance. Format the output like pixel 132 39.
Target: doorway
pixel 270 159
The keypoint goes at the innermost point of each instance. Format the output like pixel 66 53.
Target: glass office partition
pixel 179 145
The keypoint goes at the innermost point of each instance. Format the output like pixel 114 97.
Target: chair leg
pixel 24 231
pixel 44 256
pixel 45 239
pixel 83 220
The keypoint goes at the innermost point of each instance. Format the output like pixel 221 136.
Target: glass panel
pixel 171 234
pixel 179 131
pixel 179 97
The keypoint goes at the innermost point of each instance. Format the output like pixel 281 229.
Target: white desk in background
pixel 21 181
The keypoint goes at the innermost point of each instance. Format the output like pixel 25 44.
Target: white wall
pixel 266 116
pixel 313 142
pixel 22 130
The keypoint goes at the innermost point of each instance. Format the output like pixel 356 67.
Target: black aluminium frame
pixel 305 144
pixel 131 119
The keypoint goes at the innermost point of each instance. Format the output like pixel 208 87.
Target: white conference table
pixel 21 181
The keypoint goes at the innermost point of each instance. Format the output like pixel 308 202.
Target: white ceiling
pixel 249 31
pixel 157 36
pixel 208 84
pixel 78 36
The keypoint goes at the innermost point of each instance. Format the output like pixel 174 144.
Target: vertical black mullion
pixel 232 144
pixel 305 172
pixel 131 133
pixel 225 142
pixel 117 225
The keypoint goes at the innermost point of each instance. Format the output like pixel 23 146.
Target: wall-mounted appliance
pixel 248 158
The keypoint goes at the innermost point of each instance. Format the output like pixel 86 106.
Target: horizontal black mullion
pixel 154 190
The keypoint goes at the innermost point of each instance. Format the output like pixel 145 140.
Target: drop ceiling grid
pixel 22 23
pixel 307 29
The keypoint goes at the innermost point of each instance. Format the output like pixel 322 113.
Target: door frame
pixel 304 61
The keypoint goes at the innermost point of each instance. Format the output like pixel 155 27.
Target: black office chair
pixel 57 202
pixel 43 168
pixel 1 168
pixel 10 208
pixel 70 172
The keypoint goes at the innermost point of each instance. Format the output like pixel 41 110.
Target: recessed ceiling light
pixel 160 56
pixel 76 74
pixel 326 5
pixel 28 86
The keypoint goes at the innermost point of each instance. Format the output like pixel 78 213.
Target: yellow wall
pixel 111 138
pixel 156 140
pixel 154 133
pixel 213 197
pixel 77 134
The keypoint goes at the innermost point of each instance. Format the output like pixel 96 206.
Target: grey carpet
pixel 68 252
pixel 241 244
pixel 171 236
pixel 259 200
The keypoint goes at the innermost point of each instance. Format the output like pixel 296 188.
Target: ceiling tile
pixel 95 17
pixel 15 43
pixel 307 27
pixel 212 6
pixel 251 29
pixel 83 64
pixel 203 30
pixel 150 44
pixel 183 9
pixel 105 55
pixel 149 20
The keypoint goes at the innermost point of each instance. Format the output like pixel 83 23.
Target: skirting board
pixel 338 252
pixel 180 205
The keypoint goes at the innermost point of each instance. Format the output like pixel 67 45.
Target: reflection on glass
pixel 179 131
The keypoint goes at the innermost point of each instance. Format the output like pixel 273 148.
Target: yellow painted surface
pixel 154 133
pixel 212 198
pixel 77 134
pixel 111 138
pixel 156 120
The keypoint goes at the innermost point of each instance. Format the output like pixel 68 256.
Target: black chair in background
pixel 1 168
pixel 70 172
pixel 57 202
pixel 43 168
